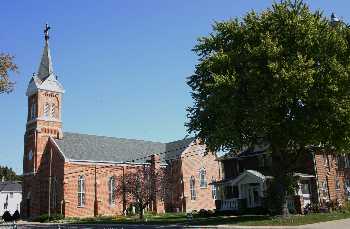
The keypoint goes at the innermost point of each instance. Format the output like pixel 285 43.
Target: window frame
pixel 324 188
pixel 213 189
pixel 112 191
pixel 193 188
pixel 53 110
pixel 47 110
pixel 337 183
pixel 202 178
pixel 81 191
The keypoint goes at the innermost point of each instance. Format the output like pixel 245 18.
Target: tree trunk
pixel 141 213
pixel 281 173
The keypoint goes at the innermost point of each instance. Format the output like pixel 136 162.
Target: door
pixel 253 198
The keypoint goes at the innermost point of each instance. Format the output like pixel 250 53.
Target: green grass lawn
pixel 180 218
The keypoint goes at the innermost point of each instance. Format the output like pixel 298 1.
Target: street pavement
pixel 336 224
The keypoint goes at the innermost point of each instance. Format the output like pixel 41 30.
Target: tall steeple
pixel 45 79
pixel 45 68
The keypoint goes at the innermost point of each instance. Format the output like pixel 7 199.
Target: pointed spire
pixel 45 68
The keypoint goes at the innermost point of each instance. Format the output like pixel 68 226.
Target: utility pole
pixel 50 175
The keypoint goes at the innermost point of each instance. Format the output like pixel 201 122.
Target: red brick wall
pixel 329 172
pixel 103 174
pixel 191 163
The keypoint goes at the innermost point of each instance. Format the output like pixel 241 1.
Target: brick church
pixel 73 174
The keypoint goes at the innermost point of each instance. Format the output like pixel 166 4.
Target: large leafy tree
pixel 7 65
pixel 280 76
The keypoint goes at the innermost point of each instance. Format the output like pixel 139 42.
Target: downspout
pixel 36 151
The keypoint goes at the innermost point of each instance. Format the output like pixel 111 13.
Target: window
pixel 6 202
pixel 213 189
pixel 347 161
pixel 193 188
pixel 347 188
pixel 324 189
pixel 81 191
pixel 33 111
pixel 305 188
pixel 325 160
pixel 340 161
pixel 203 181
pixel 112 190
pixel 46 109
pixel 337 183
pixel 54 193
pixel 53 111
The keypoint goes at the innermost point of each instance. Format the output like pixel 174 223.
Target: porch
pixel 248 191
pixel 244 191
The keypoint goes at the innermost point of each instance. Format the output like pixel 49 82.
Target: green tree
pixel 6 65
pixel 8 174
pixel 280 76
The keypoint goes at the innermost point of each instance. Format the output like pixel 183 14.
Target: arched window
pixel 46 109
pixel 53 111
pixel 213 189
pixel 81 191
pixel 33 111
pixel 193 188
pixel 112 190
pixel 203 181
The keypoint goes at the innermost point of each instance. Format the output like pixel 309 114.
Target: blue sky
pixel 123 63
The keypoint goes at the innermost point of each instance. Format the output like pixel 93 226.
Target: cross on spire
pixel 46 32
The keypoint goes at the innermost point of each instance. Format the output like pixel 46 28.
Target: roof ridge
pixel 103 136
pixel 181 140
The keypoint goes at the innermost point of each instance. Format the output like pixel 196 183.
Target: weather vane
pixel 46 32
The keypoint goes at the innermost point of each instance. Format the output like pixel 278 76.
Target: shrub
pixel 7 217
pixel 205 213
pixel 45 218
pixel 16 216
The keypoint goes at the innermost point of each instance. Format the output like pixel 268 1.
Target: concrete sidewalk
pixel 336 224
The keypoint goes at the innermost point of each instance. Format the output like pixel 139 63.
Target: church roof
pixel 84 147
pixel 10 186
pixel 45 67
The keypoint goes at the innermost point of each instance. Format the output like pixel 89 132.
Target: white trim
pixel 10 191
pixel 104 162
pixel 61 152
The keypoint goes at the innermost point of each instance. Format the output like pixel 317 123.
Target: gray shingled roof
pixel 86 147
pixel 10 186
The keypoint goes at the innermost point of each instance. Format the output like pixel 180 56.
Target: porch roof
pixel 253 174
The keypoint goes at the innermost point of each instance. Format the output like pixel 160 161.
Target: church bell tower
pixel 44 94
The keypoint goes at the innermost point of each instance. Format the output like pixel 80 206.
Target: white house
pixel 10 196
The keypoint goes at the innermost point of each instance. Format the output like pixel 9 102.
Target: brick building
pixel 321 178
pixel 75 174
